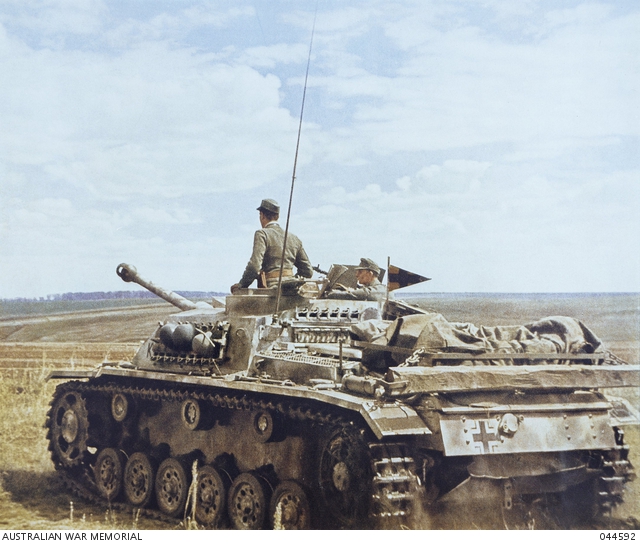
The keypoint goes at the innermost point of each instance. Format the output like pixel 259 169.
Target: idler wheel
pixel 247 502
pixel 120 406
pixel 172 486
pixel 139 475
pixel 69 429
pixel 211 497
pixel 345 476
pixel 289 507
pixel 108 472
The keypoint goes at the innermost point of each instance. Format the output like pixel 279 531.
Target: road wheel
pixel 289 507
pixel 212 497
pixel 247 502
pixel 172 487
pixel 108 472
pixel 139 474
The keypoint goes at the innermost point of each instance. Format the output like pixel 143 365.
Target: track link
pixel 396 486
pixel 617 472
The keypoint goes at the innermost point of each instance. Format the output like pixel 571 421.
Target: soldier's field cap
pixel 368 264
pixel 269 205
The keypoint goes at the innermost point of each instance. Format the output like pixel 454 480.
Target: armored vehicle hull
pixel 344 414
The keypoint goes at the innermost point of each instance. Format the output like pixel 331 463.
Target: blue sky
pixel 491 145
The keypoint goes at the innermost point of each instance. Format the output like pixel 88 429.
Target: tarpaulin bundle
pixel 434 334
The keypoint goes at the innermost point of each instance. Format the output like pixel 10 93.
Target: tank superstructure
pixel 337 413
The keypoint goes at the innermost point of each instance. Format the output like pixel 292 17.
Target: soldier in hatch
pixel 267 251
pixel 369 286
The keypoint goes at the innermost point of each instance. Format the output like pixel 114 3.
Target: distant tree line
pixel 111 295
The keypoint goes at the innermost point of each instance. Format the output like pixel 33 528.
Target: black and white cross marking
pixel 484 436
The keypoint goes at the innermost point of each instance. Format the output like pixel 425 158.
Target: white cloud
pixel 271 56
pixel 51 246
pixel 149 215
pixel 464 87
pixel 337 24
pixel 173 25
pixel 476 229
pixel 151 120
pixel 491 145
pixel 589 14
pixel 55 17
pixel 507 12
pixel 404 183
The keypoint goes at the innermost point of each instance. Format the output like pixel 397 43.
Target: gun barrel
pixel 129 273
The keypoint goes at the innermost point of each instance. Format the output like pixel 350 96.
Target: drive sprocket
pixel 345 475
pixel 68 423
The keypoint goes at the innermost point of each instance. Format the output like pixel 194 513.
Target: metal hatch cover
pixel 392 419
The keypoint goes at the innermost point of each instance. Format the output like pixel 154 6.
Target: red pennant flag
pixel 402 278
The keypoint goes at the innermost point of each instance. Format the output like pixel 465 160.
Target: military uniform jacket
pixel 374 291
pixel 267 254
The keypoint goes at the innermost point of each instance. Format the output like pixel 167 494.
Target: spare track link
pixel 395 485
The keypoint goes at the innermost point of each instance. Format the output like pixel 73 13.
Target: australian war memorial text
pixel 71 535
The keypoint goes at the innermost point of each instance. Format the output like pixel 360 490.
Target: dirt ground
pixel 32 497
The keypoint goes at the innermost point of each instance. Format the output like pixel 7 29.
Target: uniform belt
pixel 274 274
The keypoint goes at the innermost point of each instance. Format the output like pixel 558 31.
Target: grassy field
pixel 97 325
pixel 22 308
pixel 30 346
pixel 31 496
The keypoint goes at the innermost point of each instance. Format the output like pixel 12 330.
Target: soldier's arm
pixel 254 265
pixel 368 292
pixel 345 293
pixel 303 264
pixel 360 293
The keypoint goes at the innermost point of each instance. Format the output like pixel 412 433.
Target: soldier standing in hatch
pixel 369 288
pixel 267 251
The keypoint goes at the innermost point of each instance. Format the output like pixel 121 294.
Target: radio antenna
pixel 295 164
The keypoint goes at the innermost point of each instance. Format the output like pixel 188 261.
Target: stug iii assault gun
pixel 344 414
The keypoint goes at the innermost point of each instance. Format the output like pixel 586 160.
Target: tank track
pixel 617 471
pixel 84 488
pixel 592 501
pixel 79 480
pixel 395 486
